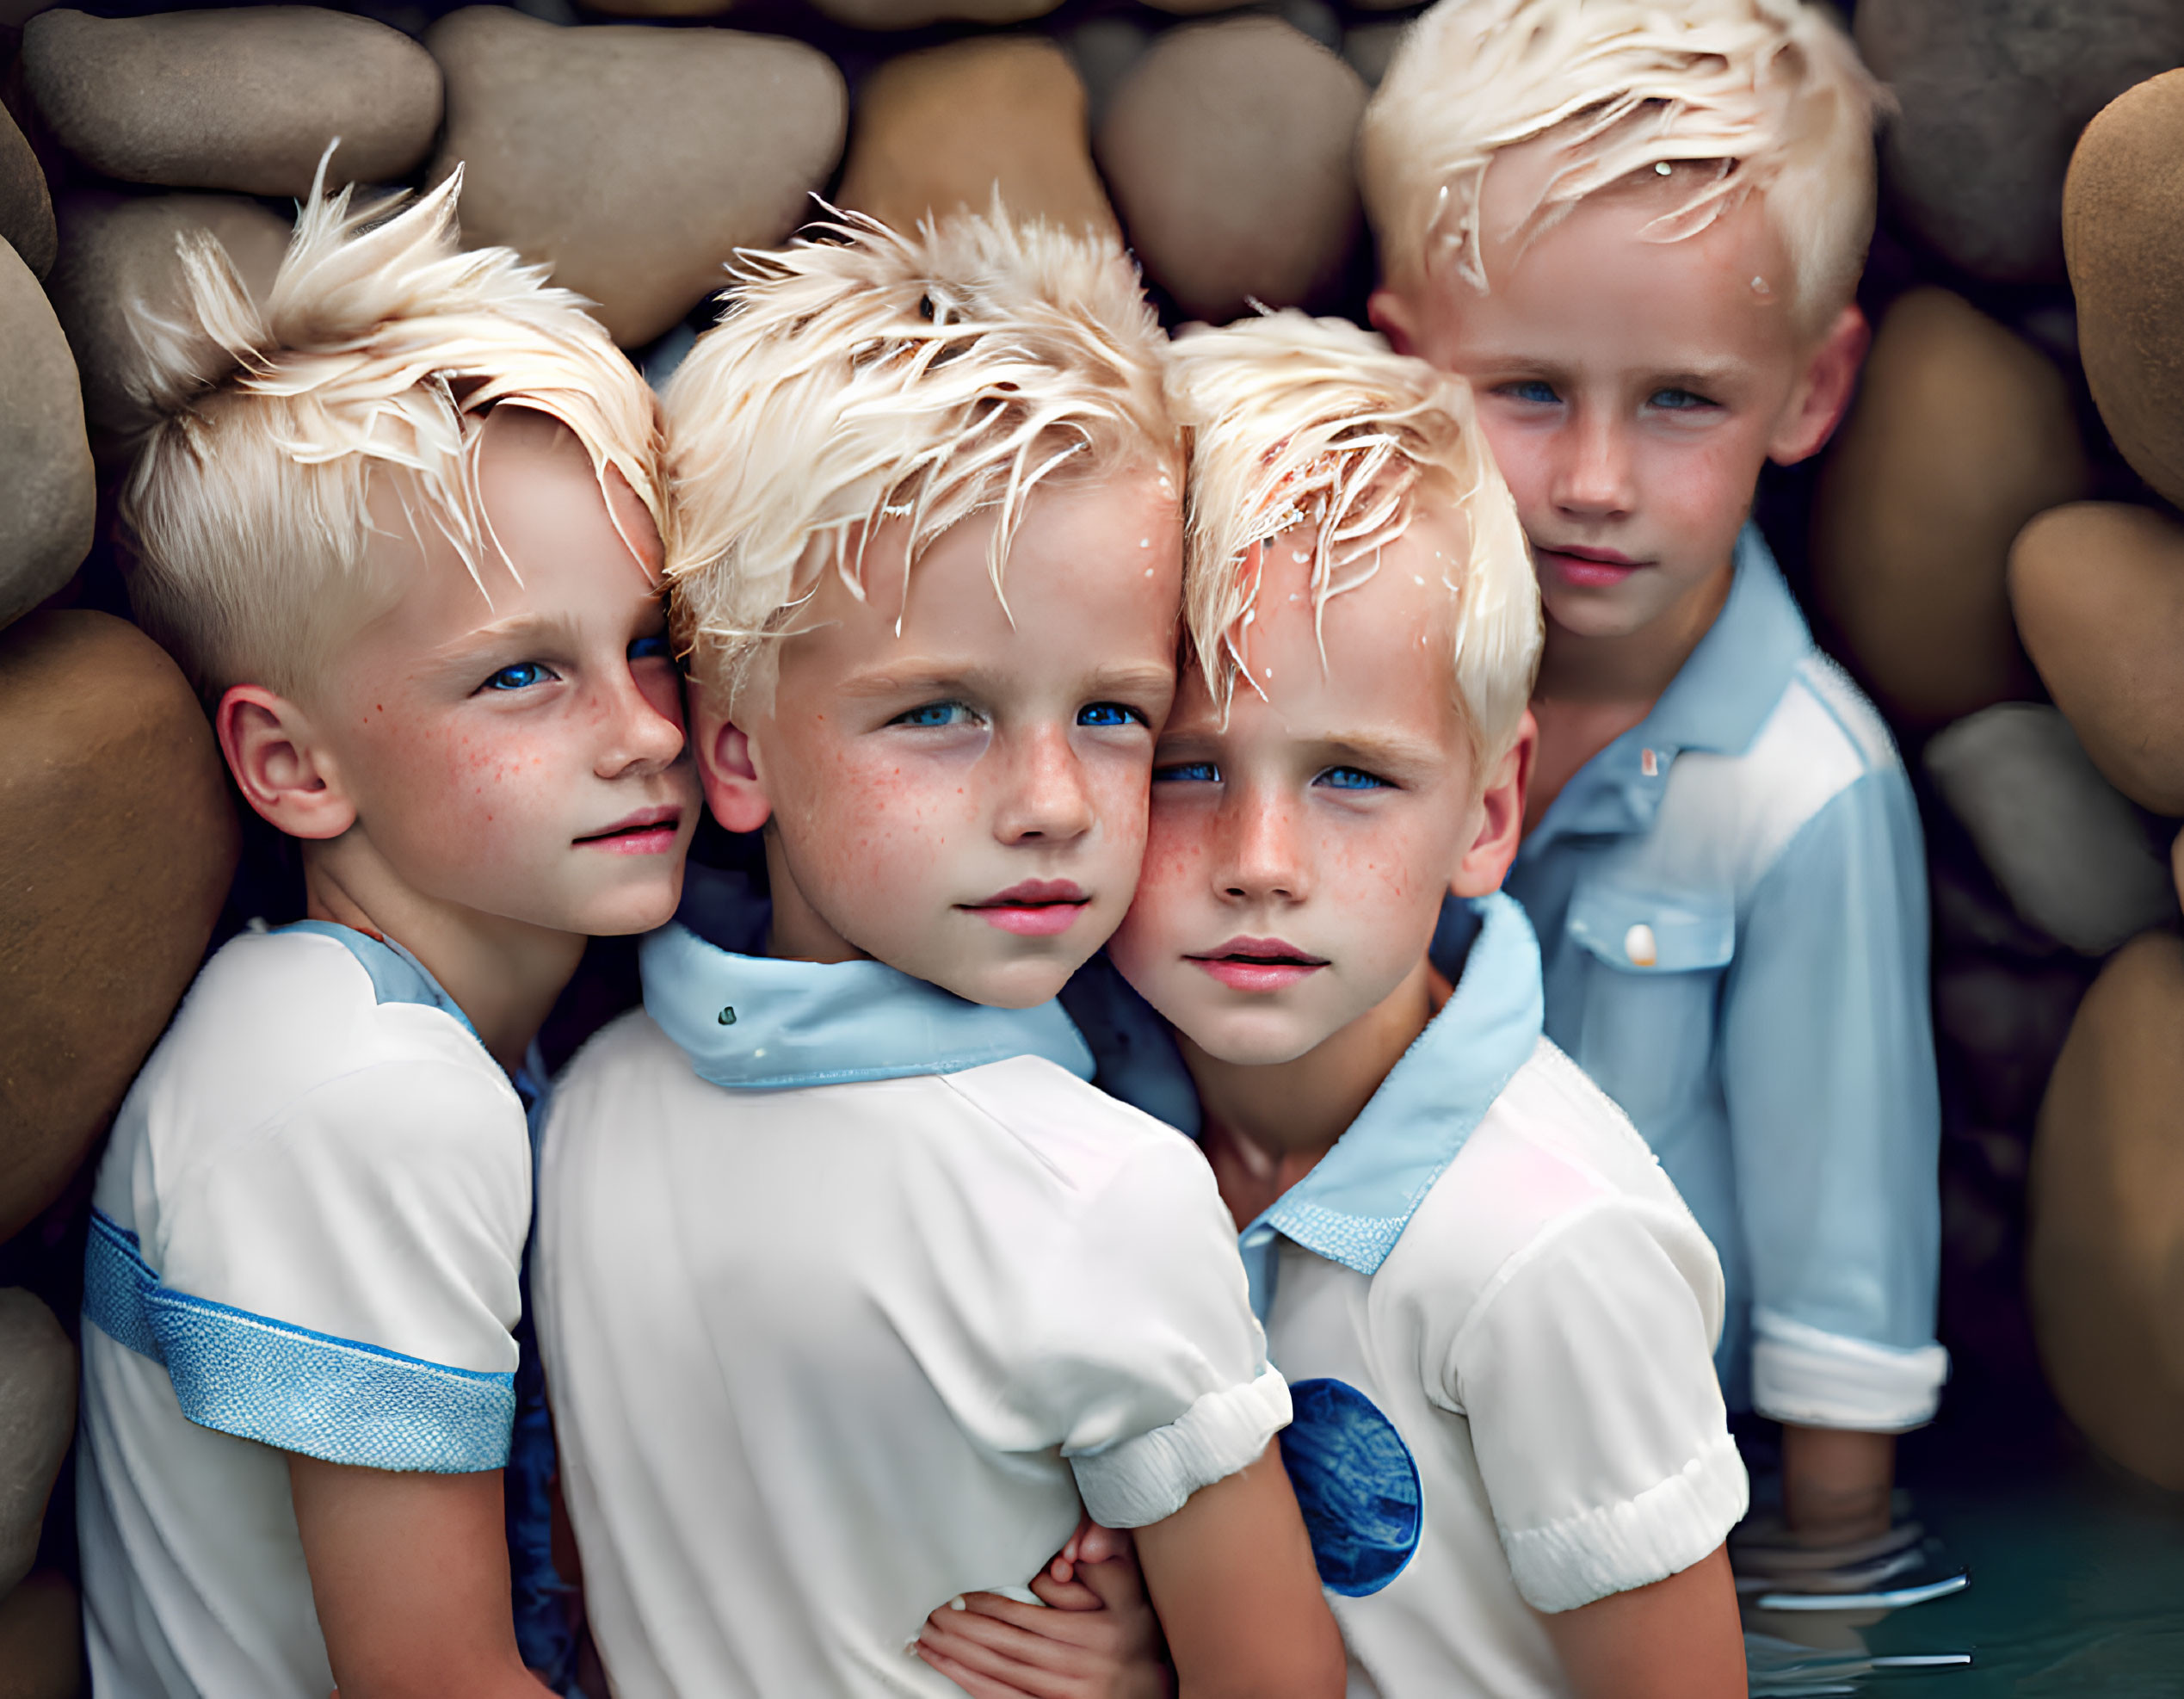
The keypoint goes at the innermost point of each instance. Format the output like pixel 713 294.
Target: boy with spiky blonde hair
pixel 853 1293
pixel 1494 1312
pixel 1636 229
pixel 401 527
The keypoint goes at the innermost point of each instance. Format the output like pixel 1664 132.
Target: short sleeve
pixel 1588 1378
pixel 1827 1071
pixel 1152 1367
pixel 344 1285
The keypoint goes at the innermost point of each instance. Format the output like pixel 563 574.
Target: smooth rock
pixel 47 498
pixel 2105 1260
pixel 117 843
pixel 1229 152
pixel 244 99
pixel 26 207
pixel 37 1422
pixel 2123 229
pixel 1960 434
pixel 633 161
pixel 119 261
pixel 1993 95
pixel 1371 47
pixel 2060 840
pixel 946 128
pixel 2099 589
pixel 41 1641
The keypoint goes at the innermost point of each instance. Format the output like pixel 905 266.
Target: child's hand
pixel 1098 1639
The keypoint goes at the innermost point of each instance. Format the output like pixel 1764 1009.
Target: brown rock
pixel 48 499
pixel 243 99
pixel 26 208
pixel 37 1421
pixel 41 1641
pixel 2105 1259
pixel 1229 152
pixel 117 842
pixel 1961 433
pixel 1993 95
pixel 946 128
pixel 2099 589
pixel 2123 227
pixel 118 261
pixel 633 161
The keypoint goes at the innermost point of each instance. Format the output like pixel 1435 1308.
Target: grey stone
pixel 48 498
pixel 1103 50
pixel 37 1420
pixel 1371 47
pixel 244 99
pixel 1230 153
pixel 633 161
pixel 117 262
pixel 1994 94
pixel 2061 842
pixel 26 207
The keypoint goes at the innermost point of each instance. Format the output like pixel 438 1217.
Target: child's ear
pixel 1391 315
pixel 1501 817
pixel 725 768
pixel 1824 391
pixel 281 768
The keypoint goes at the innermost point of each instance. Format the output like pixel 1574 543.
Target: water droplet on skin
pixel 1300 556
pixel 1269 672
pixel 1415 579
pixel 1144 542
pixel 1149 571
pixel 1662 167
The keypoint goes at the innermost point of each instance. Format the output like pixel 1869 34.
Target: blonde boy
pixel 1636 229
pixel 1494 1312
pixel 852 1292
pixel 402 528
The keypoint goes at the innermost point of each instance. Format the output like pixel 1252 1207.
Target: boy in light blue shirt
pixel 1637 233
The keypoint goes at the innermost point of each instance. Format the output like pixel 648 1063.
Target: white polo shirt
pixel 1496 1318
pixel 848 1292
pixel 306 1236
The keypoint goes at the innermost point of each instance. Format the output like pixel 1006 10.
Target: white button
pixel 1649 763
pixel 1638 945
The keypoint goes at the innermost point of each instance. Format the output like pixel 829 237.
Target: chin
pixel 1249 1039
pixel 636 909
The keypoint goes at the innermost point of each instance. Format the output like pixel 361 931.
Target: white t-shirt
pixel 1496 1318
pixel 306 1237
pixel 847 1291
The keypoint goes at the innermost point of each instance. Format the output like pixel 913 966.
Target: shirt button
pixel 1638 944
pixel 1649 763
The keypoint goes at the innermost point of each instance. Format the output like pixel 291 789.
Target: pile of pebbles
pixel 1993 546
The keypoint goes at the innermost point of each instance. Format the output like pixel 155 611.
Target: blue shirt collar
pixel 1354 1204
pixel 1717 702
pixel 750 1022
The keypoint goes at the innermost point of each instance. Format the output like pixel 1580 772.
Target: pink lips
pixel 649 832
pixel 1034 908
pixel 1258 964
pixel 1592 568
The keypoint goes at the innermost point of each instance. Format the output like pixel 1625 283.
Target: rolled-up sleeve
pixel 1827 1057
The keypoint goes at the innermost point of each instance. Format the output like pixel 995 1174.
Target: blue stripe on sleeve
pixel 335 1400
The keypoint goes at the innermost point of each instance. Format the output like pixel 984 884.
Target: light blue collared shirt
pixel 1731 901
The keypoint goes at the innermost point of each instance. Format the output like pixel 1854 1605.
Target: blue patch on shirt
pixel 1355 1482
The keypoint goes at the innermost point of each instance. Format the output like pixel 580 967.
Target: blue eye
pixel 521 677
pixel 1532 389
pixel 1109 713
pixel 1676 400
pixel 1350 778
pixel 1187 772
pixel 934 714
pixel 649 649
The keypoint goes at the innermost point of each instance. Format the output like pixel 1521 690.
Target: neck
pixel 798 932
pixel 1290 1114
pixel 1630 668
pixel 503 974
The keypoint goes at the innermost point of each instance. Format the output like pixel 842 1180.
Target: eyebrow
pixel 1114 679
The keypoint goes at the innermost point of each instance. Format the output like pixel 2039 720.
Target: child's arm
pixel 409 1575
pixel 1678 1639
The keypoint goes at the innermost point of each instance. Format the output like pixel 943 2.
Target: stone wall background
pixel 1990 544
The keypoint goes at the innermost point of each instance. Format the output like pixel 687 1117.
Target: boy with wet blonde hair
pixel 400 524
pixel 853 1296
pixel 1637 231
pixel 1493 1310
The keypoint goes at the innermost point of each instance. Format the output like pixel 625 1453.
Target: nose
pixel 1046 798
pixel 640 735
pixel 1262 857
pixel 1595 477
